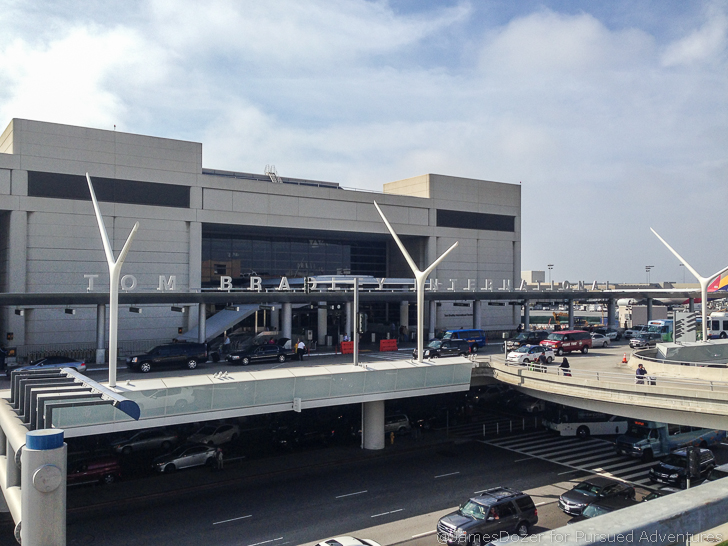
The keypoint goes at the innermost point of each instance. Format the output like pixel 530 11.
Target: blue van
pixel 475 338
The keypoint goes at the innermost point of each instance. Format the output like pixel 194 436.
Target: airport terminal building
pixel 201 229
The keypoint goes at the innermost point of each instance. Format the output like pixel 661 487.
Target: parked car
pixel 475 338
pixel 599 340
pixel 661 492
pixel 145 440
pixel 717 473
pixel 172 354
pixel 568 341
pixel 486 393
pixel 672 470
pixel 260 353
pixel 215 434
pixel 590 490
pixel 103 470
pixel 298 435
pixel 612 333
pixel 398 423
pixel 446 347
pixel 492 514
pixel 603 506
pixel 348 541
pixel 525 338
pixel 52 362
pixel 185 456
pixel 645 340
pixel 631 332
pixel 526 354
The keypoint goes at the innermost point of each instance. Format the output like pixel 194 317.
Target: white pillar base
pixel 373 424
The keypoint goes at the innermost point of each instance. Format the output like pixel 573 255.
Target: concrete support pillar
pixel 433 318
pixel 286 321
pixel 17 262
pixel 649 309
pixel 571 314
pixel 477 313
pixel 275 318
pixel 201 323
pixel 691 305
pixel 349 327
pixel 404 314
pixel 372 416
pixel 611 313
pixel 100 333
pixel 322 322
pixel 526 316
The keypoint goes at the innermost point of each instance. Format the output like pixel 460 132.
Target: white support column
pixel 286 321
pixel 477 314
pixel 526 316
pixel 691 305
pixel 100 333
pixel 18 264
pixel 349 327
pixel 571 314
pixel 201 323
pixel 322 322
pixel 373 424
pixel 433 318
pixel 275 318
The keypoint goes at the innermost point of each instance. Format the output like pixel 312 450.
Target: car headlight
pixel 234 357
pixel 673 476
pixel 426 353
pixel 135 359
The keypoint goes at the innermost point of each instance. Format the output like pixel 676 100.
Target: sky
pixel 613 116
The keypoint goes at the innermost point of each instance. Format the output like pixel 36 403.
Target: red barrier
pixel 387 345
pixel 347 347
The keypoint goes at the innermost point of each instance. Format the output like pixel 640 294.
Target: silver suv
pixel 398 423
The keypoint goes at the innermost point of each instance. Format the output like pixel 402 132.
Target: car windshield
pixel 716 474
pixel 593 511
pixel 448 335
pixel 523 349
pixel 474 509
pixel 435 344
pixel 675 460
pixel 556 337
pixel 521 337
pixel 588 488
pixel 637 431
pixel 206 430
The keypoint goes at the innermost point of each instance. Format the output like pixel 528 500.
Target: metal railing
pixel 81 351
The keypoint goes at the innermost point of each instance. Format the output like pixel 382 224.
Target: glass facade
pixel 242 256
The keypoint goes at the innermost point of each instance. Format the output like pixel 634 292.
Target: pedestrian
pixel 542 363
pixel 3 354
pixel 565 367
pixel 300 349
pixel 346 338
pixel 225 344
pixel 218 458
pixel 519 328
pixel 640 374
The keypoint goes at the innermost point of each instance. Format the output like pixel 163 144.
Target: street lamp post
pixel 683 270
pixel 647 270
pixel 550 266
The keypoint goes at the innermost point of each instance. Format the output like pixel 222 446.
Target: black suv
pixel 525 338
pixel 259 353
pixel 446 347
pixel 673 468
pixel 173 354
pixel 491 515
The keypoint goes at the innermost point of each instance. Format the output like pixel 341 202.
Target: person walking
pixel 300 349
pixel 218 459
pixel 640 374
pixel 225 344
pixel 565 367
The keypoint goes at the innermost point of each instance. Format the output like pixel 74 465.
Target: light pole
pixel 550 266
pixel 647 270
pixel 683 270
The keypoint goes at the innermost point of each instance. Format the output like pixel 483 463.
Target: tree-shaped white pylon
pixel 114 275
pixel 704 282
pixel 420 278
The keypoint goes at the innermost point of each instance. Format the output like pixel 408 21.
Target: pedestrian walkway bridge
pixel 613 390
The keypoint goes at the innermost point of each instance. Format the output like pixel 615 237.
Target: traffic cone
pixel 624 358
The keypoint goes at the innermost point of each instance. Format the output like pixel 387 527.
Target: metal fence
pixel 81 351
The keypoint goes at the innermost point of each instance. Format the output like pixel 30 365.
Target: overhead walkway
pixel 612 389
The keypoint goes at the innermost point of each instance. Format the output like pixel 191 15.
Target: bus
pixel 663 327
pixel 718 325
pixel 583 423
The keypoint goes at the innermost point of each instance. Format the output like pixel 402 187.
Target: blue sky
pixel 612 115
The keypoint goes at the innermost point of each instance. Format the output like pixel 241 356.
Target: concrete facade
pixel 48 244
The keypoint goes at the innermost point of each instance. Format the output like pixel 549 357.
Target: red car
pixel 95 470
pixel 567 341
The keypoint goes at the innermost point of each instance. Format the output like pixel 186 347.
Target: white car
pixel 600 340
pixel 530 353
pixel 348 541
pixel 215 435
pixel 635 330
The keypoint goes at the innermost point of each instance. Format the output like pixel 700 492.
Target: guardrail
pixel 703 364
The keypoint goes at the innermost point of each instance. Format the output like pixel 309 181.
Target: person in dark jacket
pixel 640 374
pixel 565 367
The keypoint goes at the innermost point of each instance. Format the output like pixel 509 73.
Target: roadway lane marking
pixel 350 494
pixel 444 475
pixel 424 534
pixel 376 515
pixel 266 541
pixel 569 472
pixel 234 519
pixel 521 460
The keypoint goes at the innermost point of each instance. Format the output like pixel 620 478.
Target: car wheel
pixel 281 358
pixel 127 450
pixel 166 445
pixel 584 349
pixel 145 367
pixel 522 529
pixel 559 352
pixel 526 361
pixel 549 359
pixel 180 405
pixel 191 364
pixel 583 432
pixel 245 361
pixel 605 344
pixel 723 335
pixel 474 349
pixel 170 468
pixel 108 479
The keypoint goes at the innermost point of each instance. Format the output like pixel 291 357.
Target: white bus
pixel 718 325
pixel 582 423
